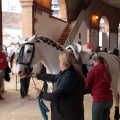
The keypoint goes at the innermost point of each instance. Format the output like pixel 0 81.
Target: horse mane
pixel 50 42
pixel 76 48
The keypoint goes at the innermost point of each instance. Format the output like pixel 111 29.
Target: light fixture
pixel 96 17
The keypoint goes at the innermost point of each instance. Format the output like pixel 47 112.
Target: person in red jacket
pixel 99 82
pixel 2 69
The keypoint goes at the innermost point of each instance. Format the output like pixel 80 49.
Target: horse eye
pixel 28 51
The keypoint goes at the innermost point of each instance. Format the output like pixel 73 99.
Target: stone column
pixel 27 18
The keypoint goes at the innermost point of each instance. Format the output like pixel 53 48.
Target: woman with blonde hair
pixel 68 90
pixel 99 82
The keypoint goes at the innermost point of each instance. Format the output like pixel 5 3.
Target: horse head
pixel 38 49
pixel 85 52
pixel 24 57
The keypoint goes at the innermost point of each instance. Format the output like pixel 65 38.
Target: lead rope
pixel 43 108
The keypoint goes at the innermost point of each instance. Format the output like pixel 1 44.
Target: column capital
pixel 26 2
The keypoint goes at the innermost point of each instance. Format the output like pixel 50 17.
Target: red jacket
pixel 2 61
pixel 99 83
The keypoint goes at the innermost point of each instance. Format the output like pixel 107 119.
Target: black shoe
pixel 1 98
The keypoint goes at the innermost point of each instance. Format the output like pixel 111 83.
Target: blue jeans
pixel 101 110
pixel 2 74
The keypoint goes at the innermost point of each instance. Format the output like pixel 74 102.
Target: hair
pixel 68 58
pixel 101 60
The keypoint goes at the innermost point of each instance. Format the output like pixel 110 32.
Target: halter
pixel 21 59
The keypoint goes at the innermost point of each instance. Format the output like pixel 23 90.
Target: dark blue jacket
pixel 67 95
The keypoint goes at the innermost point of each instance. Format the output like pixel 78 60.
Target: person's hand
pixel 38 91
pixel 33 75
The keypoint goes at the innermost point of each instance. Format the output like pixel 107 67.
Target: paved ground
pixel 14 108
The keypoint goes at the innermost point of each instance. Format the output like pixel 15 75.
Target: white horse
pixel 114 67
pixel 47 51
pixel 39 49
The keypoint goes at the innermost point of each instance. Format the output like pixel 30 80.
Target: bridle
pixel 21 59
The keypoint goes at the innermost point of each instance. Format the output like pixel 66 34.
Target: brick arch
pixel 62 5
pixel 69 9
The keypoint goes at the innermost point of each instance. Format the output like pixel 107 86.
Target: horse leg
pixel 116 114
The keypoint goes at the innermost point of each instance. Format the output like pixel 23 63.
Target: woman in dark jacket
pixel 68 90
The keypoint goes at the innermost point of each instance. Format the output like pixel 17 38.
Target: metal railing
pixel 75 29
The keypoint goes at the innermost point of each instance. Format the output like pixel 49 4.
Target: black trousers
pixel 24 86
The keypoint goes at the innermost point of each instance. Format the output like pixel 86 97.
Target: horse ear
pixel 26 39
pixel 33 37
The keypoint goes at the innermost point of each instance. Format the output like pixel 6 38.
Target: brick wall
pixel 27 24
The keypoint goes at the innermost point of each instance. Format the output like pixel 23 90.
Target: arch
pixel 62 6
pixel 104 33
pixel 104 24
pixel 69 9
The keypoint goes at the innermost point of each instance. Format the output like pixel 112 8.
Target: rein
pixel 25 92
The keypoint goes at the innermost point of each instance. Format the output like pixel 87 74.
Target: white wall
pixel 11 6
pixel 94 37
pixel 49 27
pixel 105 41
pixel 13 36
pixel 113 41
pixel 83 33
